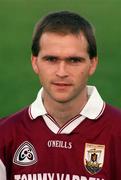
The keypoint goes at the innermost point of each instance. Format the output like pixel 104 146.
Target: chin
pixel 62 100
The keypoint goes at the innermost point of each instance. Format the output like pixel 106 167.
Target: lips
pixel 62 84
pixel 61 87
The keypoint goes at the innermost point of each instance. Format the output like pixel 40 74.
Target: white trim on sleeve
pixel 2 171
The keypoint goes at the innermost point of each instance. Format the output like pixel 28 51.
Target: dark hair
pixel 64 22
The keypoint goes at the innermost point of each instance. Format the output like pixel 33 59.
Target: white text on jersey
pixel 59 144
pixel 53 176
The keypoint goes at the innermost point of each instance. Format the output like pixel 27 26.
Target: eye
pixel 75 60
pixel 50 58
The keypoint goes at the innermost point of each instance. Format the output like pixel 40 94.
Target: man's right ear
pixel 34 63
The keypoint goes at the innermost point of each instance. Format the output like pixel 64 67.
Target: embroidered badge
pixel 25 155
pixel 94 157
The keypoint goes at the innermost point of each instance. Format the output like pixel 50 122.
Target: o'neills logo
pixel 94 157
pixel 25 155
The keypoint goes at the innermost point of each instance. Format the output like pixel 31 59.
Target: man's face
pixel 63 66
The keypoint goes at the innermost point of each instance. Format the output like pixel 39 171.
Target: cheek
pixel 44 74
pixel 84 71
pixel 83 75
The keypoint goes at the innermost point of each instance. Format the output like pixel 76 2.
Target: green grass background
pixel 18 84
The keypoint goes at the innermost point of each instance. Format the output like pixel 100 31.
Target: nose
pixel 62 70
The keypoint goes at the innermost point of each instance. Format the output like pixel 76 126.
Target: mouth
pixel 62 84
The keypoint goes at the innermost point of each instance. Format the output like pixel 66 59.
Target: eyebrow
pixel 50 56
pixel 66 58
pixel 79 58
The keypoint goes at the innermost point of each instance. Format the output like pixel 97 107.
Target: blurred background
pixel 18 83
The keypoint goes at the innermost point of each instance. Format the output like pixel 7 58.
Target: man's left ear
pixel 93 65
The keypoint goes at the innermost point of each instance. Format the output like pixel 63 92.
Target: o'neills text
pixel 59 144
pixel 53 176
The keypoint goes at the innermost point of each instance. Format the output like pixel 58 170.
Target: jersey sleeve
pixel 116 157
pixel 3 173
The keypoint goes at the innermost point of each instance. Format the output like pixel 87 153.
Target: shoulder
pixel 113 112
pixel 7 124
pixel 14 117
pixel 112 117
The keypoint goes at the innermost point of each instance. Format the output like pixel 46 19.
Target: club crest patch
pixel 94 157
pixel 25 155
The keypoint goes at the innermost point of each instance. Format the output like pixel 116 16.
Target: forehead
pixel 50 40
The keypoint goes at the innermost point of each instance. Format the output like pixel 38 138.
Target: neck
pixel 63 112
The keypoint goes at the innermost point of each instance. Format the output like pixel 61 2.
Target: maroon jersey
pixel 35 148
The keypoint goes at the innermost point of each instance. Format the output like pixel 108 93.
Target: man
pixel 68 132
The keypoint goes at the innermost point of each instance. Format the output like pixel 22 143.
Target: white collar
pixel 92 110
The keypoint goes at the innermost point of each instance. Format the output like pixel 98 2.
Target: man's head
pixel 64 56
pixel 64 22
